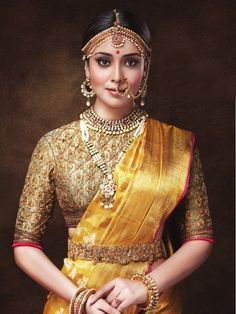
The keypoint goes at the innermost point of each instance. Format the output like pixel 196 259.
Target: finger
pixel 113 294
pixel 117 302
pixel 104 306
pixel 126 303
pixel 92 309
pixel 103 291
pixel 95 311
pixel 88 302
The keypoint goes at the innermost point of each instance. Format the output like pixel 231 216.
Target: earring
pixel 87 93
pixel 143 94
pixel 143 90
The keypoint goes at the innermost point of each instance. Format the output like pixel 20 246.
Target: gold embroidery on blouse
pixel 38 195
pixel 144 252
pixel 195 221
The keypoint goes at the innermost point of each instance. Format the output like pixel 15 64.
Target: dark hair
pixel 107 19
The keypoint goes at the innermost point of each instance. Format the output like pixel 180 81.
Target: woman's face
pixel 109 66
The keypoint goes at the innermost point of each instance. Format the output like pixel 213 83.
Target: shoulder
pixel 60 138
pixel 62 134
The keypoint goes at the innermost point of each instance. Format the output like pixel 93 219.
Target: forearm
pixel 38 266
pixel 181 264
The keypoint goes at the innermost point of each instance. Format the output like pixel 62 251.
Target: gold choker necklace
pixel 127 124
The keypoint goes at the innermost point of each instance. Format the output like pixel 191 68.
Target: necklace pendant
pixel 107 190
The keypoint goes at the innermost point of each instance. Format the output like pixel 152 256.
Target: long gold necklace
pixel 108 186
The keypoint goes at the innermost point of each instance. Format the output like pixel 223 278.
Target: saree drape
pixel 151 179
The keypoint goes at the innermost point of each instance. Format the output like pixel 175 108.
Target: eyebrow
pixel 127 55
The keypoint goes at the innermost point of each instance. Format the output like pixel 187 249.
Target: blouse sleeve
pixel 38 196
pixel 194 219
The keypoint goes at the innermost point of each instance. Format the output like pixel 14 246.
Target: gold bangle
pixel 72 301
pixel 86 295
pixel 80 309
pixel 152 289
pixel 78 300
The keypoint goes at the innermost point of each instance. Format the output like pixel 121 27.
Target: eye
pixel 103 61
pixel 131 62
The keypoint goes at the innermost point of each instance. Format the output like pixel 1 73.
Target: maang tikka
pixel 87 90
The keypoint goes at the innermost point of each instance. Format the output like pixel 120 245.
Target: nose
pixel 117 74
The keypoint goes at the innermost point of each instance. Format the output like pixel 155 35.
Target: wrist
pixel 72 292
pixel 144 297
pixel 78 302
pixel 153 294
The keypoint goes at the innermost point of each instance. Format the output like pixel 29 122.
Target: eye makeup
pixel 104 62
pixel 132 62
pixel 128 61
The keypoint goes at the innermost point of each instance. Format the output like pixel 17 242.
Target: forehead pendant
pixel 117 39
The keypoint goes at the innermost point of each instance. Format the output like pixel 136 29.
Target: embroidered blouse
pixel 62 170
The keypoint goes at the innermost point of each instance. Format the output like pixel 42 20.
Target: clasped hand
pixel 117 295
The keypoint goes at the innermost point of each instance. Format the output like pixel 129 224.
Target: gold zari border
pixel 144 252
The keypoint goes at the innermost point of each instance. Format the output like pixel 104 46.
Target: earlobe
pixel 86 68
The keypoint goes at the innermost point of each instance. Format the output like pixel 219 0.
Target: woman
pixel 118 176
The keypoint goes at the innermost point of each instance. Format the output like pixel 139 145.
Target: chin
pixel 117 103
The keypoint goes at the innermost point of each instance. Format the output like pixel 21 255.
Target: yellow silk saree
pixel 151 179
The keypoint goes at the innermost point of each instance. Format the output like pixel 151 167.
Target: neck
pixel 111 113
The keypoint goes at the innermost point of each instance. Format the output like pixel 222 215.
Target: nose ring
pixel 126 91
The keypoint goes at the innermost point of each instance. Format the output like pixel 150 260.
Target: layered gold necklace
pixel 127 124
pixel 90 120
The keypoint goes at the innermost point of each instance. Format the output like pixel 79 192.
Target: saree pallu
pixel 152 179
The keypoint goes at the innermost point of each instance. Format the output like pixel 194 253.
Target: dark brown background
pixel 191 86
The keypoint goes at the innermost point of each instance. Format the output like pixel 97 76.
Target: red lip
pixel 114 90
pixel 111 89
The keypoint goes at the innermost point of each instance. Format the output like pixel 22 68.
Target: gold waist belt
pixel 144 252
